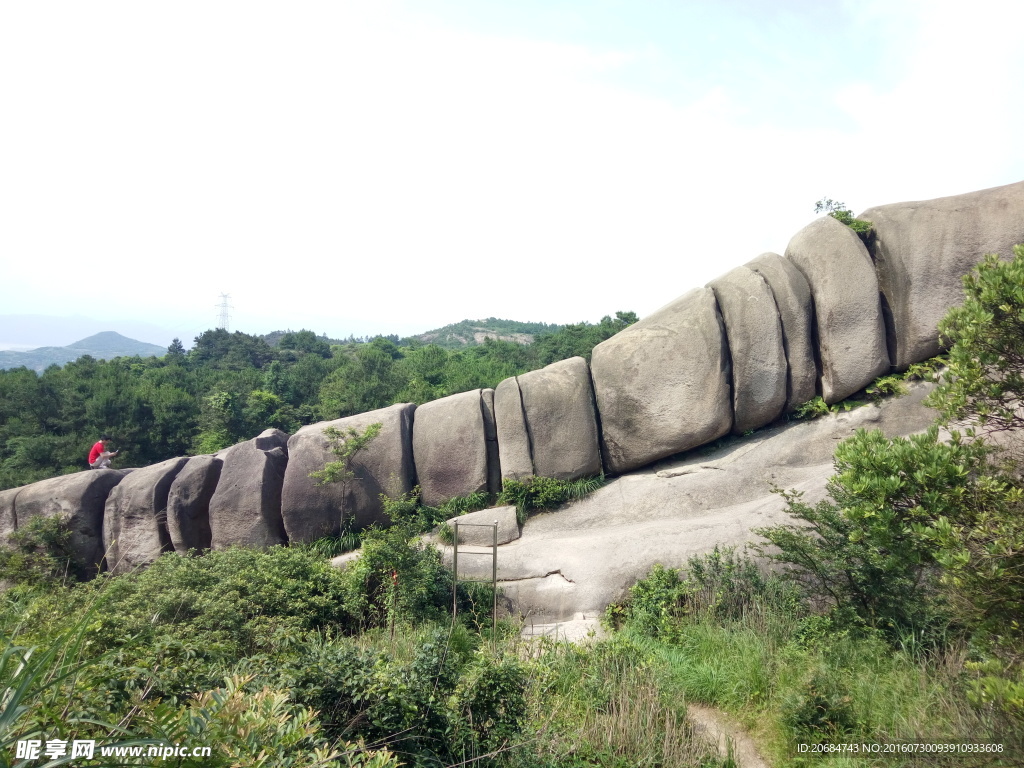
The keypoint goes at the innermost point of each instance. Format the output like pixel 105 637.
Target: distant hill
pixel 103 346
pixel 469 333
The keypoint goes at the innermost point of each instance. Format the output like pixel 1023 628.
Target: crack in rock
pixel 528 578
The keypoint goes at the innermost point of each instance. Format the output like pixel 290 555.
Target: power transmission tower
pixel 224 315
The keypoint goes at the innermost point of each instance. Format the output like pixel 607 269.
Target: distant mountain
pixel 26 332
pixel 103 346
pixel 469 333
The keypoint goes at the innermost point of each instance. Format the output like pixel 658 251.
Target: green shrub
pixel 40 552
pixel 535 493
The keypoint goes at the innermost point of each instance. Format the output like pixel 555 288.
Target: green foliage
pixel 41 552
pixel 344 444
pixel 985 382
pixel 843 215
pixel 535 493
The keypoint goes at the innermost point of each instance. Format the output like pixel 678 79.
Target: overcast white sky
pixel 390 167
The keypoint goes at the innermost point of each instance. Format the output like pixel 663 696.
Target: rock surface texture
pixel 188 503
pixel 135 517
pixel 449 445
pixel 515 456
pixel 76 499
pixel 662 384
pixel 8 522
pixel 848 311
pixel 753 329
pixel 796 311
pixel 246 507
pixel 558 401
pixel 923 249
pixel 385 465
pixel 471 533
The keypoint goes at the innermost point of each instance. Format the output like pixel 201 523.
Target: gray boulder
pixel 470 532
pixel 663 384
pixel 385 465
pixel 491 433
pixel 923 249
pixel 754 331
pixel 514 452
pixel 78 500
pixel 135 517
pixel 449 446
pixel 245 509
pixel 796 311
pixel 848 311
pixel 8 522
pixel 188 503
pixel 558 401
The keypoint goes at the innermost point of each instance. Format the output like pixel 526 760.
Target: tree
pixel 843 215
pixel 344 445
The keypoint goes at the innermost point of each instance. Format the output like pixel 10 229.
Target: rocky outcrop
pixel 311 511
pixel 848 311
pixel 449 446
pixel 796 311
pixel 8 522
pixel 558 403
pixel 246 507
pixel 515 456
pixel 78 500
pixel 188 503
pixel 754 332
pixel 135 517
pixel 923 249
pixel 477 528
pixel 662 384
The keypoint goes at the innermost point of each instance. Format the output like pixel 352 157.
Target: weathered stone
pixel 491 433
pixel 754 332
pixel 8 521
pixel 848 311
pixel 923 249
pixel 796 310
pixel 76 499
pixel 558 401
pixel 449 446
pixel 246 507
pixel 135 517
pixel 384 465
pixel 514 452
pixel 662 384
pixel 472 535
pixel 188 503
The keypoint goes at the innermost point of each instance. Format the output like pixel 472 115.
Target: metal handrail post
pixel 455 571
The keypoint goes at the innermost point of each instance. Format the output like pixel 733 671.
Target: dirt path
pixel 720 729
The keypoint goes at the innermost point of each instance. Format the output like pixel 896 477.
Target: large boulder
pixel 558 402
pixel 384 465
pixel 923 249
pixel 477 528
pixel 135 517
pixel 796 311
pixel 8 522
pixel 246 507
pixel 663 384
pixel 514 452
pixel 848 311
pixel 78 500
pixel 449 446
pixel 188 503
pixel 754 331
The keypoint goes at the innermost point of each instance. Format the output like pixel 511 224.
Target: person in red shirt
pixel 99 456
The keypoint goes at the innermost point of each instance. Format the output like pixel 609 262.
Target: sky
pixel 392 167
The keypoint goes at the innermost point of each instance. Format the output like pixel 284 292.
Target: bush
pixel 41 552
pixel 536 493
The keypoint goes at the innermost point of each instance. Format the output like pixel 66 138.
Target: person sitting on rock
pixel 99 456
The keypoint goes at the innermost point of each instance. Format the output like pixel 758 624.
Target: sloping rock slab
pixel 188 503
pixel 385 465
pixel 558 401
pixel 663 384
pixel 246 507
pixel 515 456
pixel 76 499
pixel 134 518
pixel 754 331
pixel 796 311
pixel 449 446
pixel 469 533
pixel 848 311
pixel 923 249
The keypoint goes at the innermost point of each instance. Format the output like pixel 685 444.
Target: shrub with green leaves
pixel 41 552
pixel 535 493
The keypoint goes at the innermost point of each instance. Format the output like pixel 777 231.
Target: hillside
pixel 103 346
pixel 469 333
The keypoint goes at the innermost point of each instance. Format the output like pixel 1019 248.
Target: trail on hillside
pixel 720 729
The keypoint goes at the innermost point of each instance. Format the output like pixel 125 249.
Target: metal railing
pixel 494 570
